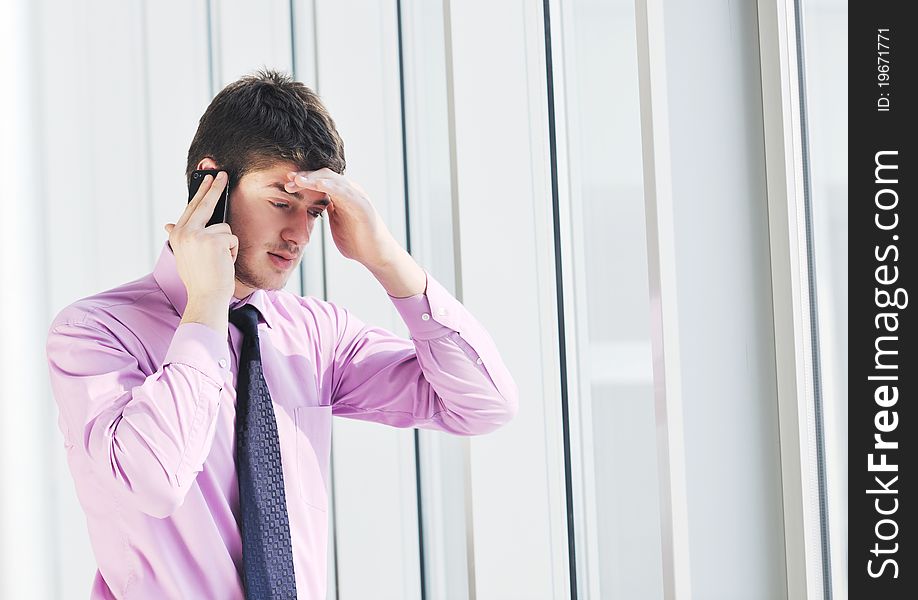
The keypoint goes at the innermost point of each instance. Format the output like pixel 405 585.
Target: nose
pixel 298 229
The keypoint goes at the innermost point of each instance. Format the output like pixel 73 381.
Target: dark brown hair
pixel 262 118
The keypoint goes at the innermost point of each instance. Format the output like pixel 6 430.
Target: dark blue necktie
pixel 267 552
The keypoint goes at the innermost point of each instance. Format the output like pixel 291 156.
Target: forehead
pixel 267 180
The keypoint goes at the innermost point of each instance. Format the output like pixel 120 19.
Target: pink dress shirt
pixel 147 409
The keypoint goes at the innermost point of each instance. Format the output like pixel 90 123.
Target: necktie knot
pixel 246 319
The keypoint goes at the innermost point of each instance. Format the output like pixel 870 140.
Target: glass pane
pixel 443 457
pixel 824 26
pixel 613 306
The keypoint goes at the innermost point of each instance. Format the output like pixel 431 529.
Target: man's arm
pixel 448 377
pixel 401 276
pixel 144 437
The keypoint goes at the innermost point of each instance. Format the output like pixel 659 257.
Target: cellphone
pixel 197 177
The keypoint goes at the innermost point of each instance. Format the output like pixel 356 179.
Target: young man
pixel 196 402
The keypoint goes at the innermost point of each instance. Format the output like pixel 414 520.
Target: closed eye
pixel 318 214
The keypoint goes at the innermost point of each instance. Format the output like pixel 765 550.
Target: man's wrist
pixel 211 311
pixel 400 275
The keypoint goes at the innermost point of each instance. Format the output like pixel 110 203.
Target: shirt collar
pixel 166 275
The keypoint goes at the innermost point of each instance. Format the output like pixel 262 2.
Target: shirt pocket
pixel 313 453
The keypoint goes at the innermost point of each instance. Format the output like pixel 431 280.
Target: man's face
pixel 273 226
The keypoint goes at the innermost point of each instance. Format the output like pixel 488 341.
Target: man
pixel 196 402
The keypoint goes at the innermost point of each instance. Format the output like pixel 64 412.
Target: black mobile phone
pixel 197 177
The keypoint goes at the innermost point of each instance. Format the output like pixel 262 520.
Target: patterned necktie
pixel 267 552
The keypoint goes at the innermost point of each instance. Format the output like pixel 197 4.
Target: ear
pixel 206 163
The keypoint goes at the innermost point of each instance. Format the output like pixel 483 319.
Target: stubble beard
pixel 248 275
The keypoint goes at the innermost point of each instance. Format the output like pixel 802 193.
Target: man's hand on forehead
pixel 356 227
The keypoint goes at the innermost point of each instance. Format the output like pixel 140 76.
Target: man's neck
pixel 242 290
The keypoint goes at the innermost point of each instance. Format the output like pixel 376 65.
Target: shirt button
pixel 425 317
pixel 222 363
pixel 478 361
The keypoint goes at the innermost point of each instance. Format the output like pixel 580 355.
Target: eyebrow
pixel 299 195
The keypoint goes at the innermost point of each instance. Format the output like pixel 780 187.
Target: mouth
pixel 282 261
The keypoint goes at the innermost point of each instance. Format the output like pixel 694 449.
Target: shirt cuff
pixel 201 348
pixel 431 314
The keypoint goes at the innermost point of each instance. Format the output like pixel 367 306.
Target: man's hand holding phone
pixel 205 256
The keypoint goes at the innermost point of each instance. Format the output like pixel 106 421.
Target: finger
pixel 299 180
pixel 205 208
pixel 318 184
pixel 195 200
pixel 317 173
pixel 228 241
pixel 323 173
pixel 291 175
pixel 293 188
pixel 211 188
pixel 335 188
pixel 323 179
pixel 224 240
pixel 222 228
pixel 234 247
pixel 314 177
